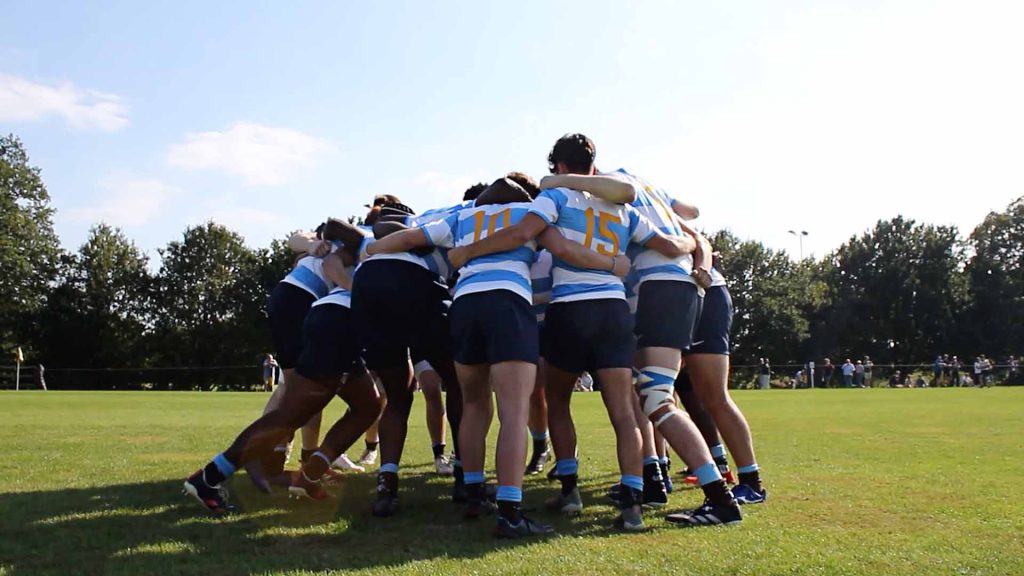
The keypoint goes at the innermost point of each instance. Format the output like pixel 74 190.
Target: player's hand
pixel 702 277
pixel 458 256
pixel 320 249
pixel 621 266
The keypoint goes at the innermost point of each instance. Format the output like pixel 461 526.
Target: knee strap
pixel 655 386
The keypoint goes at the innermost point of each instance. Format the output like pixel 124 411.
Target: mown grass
pixel 861 481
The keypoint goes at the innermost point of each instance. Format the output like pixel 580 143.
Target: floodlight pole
pixel 800 236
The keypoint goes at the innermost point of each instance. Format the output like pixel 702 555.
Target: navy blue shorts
pixel 667 312
pixel 589 335
pixel 398 305
pixel 329 345
pixel 287 308
pixel 492 327
pixel 712 336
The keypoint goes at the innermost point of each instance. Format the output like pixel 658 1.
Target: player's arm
pixel 703 256
pixel 503 240
pixel 334 269
pixel 684 210
pixel 580 256
pixel 306 242
pixel 671 246
pixel 603 186
pixel 401 241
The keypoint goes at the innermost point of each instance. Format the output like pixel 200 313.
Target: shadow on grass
pixel 150 527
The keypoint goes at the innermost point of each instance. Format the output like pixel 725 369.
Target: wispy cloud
pixel 23 100
pixel 259 155
pixel 127 200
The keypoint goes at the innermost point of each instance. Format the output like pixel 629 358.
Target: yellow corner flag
pixel 18 356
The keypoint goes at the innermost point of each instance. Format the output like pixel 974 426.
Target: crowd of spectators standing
pixel 945 371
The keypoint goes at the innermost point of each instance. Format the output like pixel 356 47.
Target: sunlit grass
pixel 861 481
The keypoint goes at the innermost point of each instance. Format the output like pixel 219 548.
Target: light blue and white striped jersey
pixel 540 281
pixel 600 226
pixel 308 274
pixel 437 260
pixel 717 279
pixel 656 205
pixel 339 295
pixel 500 271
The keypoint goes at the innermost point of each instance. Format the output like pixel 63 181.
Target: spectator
pixel 986 371
pixel 826 373
pixel 947 370
pixel 954 370
pixel 765 377
pixel 868 365
pixel 937 367
pixel 270 369
pixel 1013 368
pixel 585 383
pixel 920 382
pixel 848 370
pixel 810 374
pixel 979 368
pixel 858 375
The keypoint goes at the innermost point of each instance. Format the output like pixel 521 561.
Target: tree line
pixel 901 292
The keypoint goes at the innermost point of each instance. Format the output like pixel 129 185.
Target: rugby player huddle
pixel 512 295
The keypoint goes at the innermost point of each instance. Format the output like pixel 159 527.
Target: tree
pixel 996 275
pixel 896 292
pixel 772 299
pixel 209 302
pixel 29 248
pixel 96 316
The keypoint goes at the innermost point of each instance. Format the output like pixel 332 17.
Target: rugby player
pixel 587 325
pixel 668 308
pixel 329 352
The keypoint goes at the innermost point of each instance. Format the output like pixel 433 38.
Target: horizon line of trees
pixel 901 292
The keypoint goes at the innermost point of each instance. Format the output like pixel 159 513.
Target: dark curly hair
pixel 576 151
pixel 524 180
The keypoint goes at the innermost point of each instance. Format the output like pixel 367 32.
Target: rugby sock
pixel 388 477
pixel 751 476
pixel 438 450
pixel 711 482
pixel 458 473
pixel 717 451
pixel 305 454
pixel 567 471
pixel 510 499
pixel 474 486
pixel 664 461
pixel 540 441
pixel 371 446
pixel 315 466
pixel 218 470
pixel 634 482
pixel 652 470
pixel 473 478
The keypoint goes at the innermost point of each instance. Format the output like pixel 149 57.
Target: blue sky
pixel 821 116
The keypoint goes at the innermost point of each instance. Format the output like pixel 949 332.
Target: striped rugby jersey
pixel 500 271
pixel 599 225
pixel 308 274
pixel 540 281
pixel 656 205
pixel 437 260
pixel 339 295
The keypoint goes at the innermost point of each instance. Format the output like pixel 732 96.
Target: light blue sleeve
pixel 548 205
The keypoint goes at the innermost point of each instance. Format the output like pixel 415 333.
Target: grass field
pixel 861 482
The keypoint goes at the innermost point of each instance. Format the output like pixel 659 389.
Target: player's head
pixel 474 191
pixel 572 154
pixel 320 231
pixel 524 180
pixel 503 191
pixel 378 203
